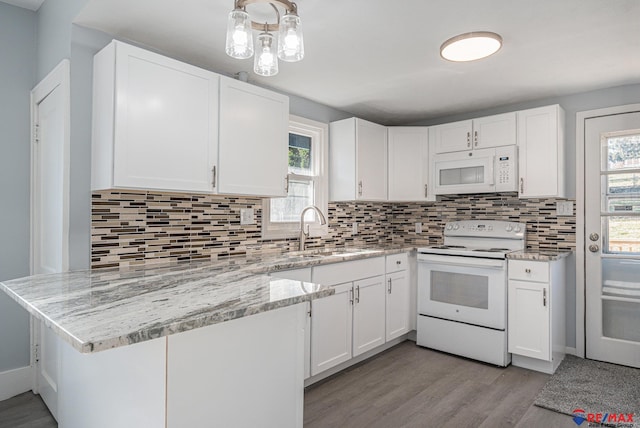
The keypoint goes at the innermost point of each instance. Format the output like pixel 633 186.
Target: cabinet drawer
pixel 526 270
pixel 337 273
pixel 397 262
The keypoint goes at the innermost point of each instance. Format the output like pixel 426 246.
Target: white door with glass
pixel 612 241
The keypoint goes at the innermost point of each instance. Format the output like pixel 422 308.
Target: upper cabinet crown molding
pixel 162 124
pixel 481 133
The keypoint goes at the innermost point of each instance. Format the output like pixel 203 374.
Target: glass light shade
pixel 239 36
pixel 265 62
pixel 290 42
pixel 471 46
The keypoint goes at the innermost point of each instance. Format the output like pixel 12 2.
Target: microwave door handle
pixel 492 177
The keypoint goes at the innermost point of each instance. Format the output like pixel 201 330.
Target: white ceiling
pixel 380 60
pixel 26 4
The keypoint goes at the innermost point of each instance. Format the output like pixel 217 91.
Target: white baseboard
pixel 571 351
pixel 14 382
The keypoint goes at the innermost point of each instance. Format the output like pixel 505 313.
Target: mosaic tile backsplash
pixel 136 227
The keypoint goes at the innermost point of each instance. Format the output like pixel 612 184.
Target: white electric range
pixel 462 289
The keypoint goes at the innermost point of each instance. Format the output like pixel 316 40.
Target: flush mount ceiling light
pixel 471 46
pixel 288 47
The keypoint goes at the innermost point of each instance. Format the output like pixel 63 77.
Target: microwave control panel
pixel 506 169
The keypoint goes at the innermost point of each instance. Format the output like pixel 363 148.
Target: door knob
pixel 594 236
pixel 593 248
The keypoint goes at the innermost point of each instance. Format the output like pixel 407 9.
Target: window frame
pixel 319 133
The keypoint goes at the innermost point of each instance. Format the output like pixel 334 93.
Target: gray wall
pixel 17 78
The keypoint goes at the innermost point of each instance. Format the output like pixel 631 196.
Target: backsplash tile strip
pixel 131 228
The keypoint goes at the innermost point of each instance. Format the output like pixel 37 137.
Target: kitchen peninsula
pixel 179 345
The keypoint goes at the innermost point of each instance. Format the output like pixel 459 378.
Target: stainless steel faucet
pixel 304 235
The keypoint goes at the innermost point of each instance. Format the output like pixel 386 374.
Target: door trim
pixel 58 77
pixel 581 118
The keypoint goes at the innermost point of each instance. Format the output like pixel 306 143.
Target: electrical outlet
pixel 418 227
pixel 354 228
pixel 564 208
pixel 246 216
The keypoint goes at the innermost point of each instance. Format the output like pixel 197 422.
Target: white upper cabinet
pixel 409 164
pixel 491 131
pixel 254 135
pixel 452 137
pixel 541 152
pixel 155 122
pixel 358 161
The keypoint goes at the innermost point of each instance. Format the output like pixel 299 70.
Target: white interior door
pixel 49 210
pixel 612 238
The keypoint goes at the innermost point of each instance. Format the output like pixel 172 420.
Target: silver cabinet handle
pixel 351 296
pixel 213 179
pixel 475 138
pixel 468 139
pixel 544 297
pixel 521 185
pixel 360 188
pixel 357 294
pixel 389 287
pixel 426 190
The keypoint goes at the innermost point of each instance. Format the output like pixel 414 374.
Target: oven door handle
pixel 461 261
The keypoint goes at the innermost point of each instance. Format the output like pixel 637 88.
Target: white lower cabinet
pixel 368 309
pixel 398 304
pixel 331 329
pixel 368 314
pixel 536 314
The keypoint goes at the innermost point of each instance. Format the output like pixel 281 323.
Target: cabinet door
pixel 165 134
pixel 254 132
pixel 368 314
pixel 452 137
pixel 371 159
pixel 398 301
pixel 331 325
pixel 529 319
pixel 494 131
pixel 541 152
pixel 408 163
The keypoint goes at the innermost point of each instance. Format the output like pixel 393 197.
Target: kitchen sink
pixel 328 252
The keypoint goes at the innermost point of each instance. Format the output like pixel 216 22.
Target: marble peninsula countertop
pixel 106 308
pixel 544 255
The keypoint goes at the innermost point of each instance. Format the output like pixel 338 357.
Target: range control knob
pixel 509 228
pixel 449 227
pixel 456 226
pixel 517 229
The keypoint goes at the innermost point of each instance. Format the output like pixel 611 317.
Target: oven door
pixel 465 289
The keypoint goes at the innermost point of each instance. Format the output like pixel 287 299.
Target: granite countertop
pixel 106 308
pixel 544 255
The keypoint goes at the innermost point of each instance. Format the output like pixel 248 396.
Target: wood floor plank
pixel 410 386
pixel 25 411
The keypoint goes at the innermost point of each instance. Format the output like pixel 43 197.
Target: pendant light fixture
pixel 471 46
pixel 288 47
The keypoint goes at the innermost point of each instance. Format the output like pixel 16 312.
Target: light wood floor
pixel 406 386
pixel 409 386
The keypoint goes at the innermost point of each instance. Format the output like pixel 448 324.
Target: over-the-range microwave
pixel 476 171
